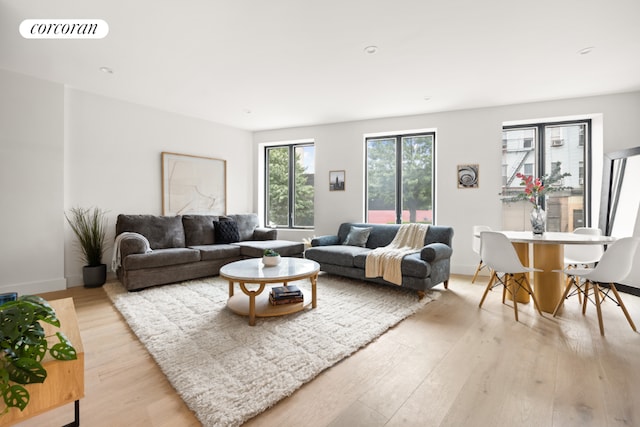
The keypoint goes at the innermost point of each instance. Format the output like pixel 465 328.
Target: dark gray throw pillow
pixel 226 231
pixel 357 236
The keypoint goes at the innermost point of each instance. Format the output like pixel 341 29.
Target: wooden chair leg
pixel 586 297
pixel 596 295
pixel 478 268
pixel 533 296
pixel 515 300
pixel 493 277
pixel 570 281
pixel 624 309
pixel 504 292
pixel 577 282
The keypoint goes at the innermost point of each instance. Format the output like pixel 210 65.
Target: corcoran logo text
pixel 64 29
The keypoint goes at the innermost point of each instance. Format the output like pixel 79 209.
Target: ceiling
pixel 271 64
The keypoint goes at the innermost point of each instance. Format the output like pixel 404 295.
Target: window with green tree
pixel 400 178
pixel 290 185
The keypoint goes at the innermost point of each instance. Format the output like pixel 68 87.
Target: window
pixel 289 185
pixel 400 178
pixel 555 149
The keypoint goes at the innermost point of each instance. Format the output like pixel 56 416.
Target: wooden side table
pixel 65 379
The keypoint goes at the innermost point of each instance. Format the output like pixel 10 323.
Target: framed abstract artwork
pixel 193 185
pixel 468 176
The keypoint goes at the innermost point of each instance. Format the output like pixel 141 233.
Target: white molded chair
pixel 477 229
pixel 581 256
pixel 614 266
pixel 500 256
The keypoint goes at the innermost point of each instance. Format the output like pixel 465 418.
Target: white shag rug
pixel 227 371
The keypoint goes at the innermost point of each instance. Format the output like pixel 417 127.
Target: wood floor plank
pixel 450 364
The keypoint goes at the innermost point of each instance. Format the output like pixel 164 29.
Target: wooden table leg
pixel 252 300
pixel 547 284
pixel 313 280
pixel 523 253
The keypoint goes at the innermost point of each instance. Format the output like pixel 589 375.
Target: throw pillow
pixel 226 231
pixel 357 236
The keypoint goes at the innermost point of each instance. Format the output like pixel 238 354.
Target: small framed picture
pixel 468 176
pixel 336 180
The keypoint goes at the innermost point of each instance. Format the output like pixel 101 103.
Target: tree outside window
pixel 290 172
pixel 400 178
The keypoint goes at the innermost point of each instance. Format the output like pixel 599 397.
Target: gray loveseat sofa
pixel 188 247
pixel 420 271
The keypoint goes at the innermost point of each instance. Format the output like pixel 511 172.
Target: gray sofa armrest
pixel 435 252
pixel 131 245
pixel 261 233
pixel 325 241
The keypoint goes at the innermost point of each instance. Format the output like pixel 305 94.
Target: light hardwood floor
pixel 451 364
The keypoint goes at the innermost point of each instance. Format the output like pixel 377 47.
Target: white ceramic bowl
pixel 271 260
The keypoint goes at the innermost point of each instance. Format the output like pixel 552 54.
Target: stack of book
pixel 285 295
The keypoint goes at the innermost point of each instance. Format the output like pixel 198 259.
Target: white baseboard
pixel 31 288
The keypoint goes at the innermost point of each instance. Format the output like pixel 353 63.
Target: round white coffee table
pixel 253 302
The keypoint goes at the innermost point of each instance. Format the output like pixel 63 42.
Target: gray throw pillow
pixel 357 236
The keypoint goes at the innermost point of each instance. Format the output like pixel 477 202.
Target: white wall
pixel 31 184
pixel 61 148
pixel 113 160
pixel 468 136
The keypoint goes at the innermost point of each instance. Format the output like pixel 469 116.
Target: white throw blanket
pixel 386 261
pixel 116 260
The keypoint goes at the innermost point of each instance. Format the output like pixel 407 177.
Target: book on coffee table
pixel 279 292
pixel 285 295
pixel 288 300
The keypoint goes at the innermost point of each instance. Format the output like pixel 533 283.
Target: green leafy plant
pixel 24 345
pixel 90 227
pixel 270 252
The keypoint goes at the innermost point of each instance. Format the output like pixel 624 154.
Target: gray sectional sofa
pixel 188 247
pixel 340 254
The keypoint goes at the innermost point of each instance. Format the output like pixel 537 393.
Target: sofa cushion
pixel 380 235
pixel 255 249
pixel 226 231
pixel 162 232
pixel 342 255
pixel 219 251
pixel 198 229
pixel 247 223
pixel 161 258
pixel 358 236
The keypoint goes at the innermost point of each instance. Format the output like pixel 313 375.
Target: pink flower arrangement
pixel 533 188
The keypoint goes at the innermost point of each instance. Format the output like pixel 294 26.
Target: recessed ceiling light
pixel 106 70
pixel 371 49
pixel 585 50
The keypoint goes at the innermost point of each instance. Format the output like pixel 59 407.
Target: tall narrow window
pixel 290 185
pixel 551 150
pixel 400 178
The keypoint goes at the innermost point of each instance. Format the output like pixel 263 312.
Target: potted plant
pixel 89 226
pixel 270 257
pixel 23 345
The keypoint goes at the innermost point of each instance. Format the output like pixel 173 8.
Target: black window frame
pixel 291 184
pixel 585 142
pixel 398 160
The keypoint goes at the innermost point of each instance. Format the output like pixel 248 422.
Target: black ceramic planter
pixel 94 277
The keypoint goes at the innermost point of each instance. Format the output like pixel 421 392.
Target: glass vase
pixel 538 220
